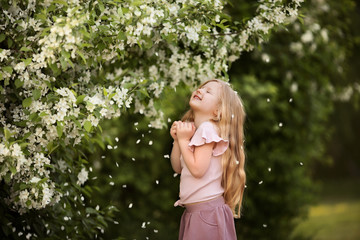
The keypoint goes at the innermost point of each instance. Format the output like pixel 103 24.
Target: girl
pixel 209 155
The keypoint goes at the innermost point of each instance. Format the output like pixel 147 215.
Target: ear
pixel 217 115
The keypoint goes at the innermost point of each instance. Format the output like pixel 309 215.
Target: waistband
pixel 208 205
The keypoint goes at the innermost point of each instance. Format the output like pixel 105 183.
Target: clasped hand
pixel 182 130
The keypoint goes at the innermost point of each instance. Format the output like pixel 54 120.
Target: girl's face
pixel 205 100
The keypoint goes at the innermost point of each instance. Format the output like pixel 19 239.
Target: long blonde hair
pixel 230 122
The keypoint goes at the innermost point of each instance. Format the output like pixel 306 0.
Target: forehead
pixel 212 85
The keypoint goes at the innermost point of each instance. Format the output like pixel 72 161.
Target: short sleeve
pixel 206 133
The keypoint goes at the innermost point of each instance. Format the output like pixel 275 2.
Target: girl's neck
pixel 199 119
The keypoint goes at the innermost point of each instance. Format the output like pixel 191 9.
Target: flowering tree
pixel 67 65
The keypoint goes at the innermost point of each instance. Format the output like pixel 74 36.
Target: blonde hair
pixel 230 122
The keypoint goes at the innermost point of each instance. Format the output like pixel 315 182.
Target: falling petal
pixel 117 164
pixel 301 163
pixel 166 156
pixel 268 100
pixel 133 159
pixel 109 147
pixel 90 168
pixel 156 231
pixel 175 174
pixel 102 157
pixel 135 124
pixel 269 169
pixel 290 100
pixel 117 139
pixel 138 141
pixel 97 207
pixel 110 176
pixel 169 120
pixel 157 181
pixel 264 225
pixel 260 182
pixel 130 205
pixel 150 143
pixel 124 186
pixel 112 183
pixel 143 225
pixel 280 124
pixel 115 147
pixel 116 222
pixel 245 186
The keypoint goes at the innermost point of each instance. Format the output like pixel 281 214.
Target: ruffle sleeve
pixel 206 133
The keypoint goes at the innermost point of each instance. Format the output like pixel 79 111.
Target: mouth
pixel 197 97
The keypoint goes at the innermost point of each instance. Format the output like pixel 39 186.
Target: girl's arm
pixel 175 157
pixel 175 152
pixel 198 161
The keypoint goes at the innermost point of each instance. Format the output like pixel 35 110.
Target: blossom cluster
pixel 65 66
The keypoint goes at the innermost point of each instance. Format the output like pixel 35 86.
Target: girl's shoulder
pixel 209 126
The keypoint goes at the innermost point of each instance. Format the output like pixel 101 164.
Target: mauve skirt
pixel 211 220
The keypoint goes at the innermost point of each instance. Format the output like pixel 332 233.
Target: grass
pixel 336 216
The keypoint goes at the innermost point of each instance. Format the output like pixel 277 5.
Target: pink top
pixel 208 186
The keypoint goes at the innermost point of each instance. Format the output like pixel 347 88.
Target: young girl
pixel 208 153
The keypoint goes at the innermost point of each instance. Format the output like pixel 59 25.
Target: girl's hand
pixel 185 130
pixel 173 130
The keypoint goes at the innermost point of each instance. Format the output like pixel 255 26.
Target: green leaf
pixel 25 49
pixel 18 83
pixel 80 99
pixel 12 169
pixel 122 36
pixel 91 211
pixel 101 6
pixel 7 133
pixel 81 55
pixel 65 54
pixel 43 114
pixel 27 61
pixel 27 102
pixel 8 69
pixel 10 43
pixel 60 2
pixel 105 92
pixel 2 37
pixel 87 126
pixel 120 12
pixel 23 186
pixel 7 178
pixel 59 129
pixel 143 91
pixel 36 94
pixel 55 69
pixel 26 135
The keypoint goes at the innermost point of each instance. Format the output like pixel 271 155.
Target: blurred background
pixel 301 93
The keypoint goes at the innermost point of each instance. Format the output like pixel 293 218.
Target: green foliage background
pixel 286 136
